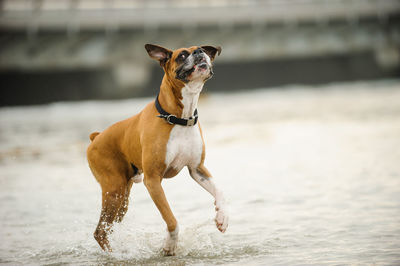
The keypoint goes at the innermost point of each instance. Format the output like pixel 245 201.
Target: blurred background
pixel 301 122
pixel 58 50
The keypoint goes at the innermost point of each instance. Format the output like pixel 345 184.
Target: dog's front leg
pixel 153 185
pixel 204 178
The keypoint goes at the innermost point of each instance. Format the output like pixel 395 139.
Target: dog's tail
pixel 93 135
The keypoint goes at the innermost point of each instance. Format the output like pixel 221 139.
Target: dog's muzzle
pixel 198 61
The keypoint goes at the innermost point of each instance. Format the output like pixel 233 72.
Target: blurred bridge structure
pixel 84 49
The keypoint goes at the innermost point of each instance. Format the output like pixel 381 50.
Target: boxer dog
pixel 157 143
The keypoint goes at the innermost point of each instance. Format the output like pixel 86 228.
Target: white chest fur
pixel 185 145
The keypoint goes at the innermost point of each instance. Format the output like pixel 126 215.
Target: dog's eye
pixel 183 55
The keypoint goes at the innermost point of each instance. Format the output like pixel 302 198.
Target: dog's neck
pixel 190 97
pixel 181 102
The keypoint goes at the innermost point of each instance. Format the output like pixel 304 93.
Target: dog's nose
pixel 198 55
pixel 197 52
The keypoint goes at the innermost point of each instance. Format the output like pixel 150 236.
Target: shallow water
pixel 312 175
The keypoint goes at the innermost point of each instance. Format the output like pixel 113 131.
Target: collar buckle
pixel 191 121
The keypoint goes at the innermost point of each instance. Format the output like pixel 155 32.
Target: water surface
pixel 312 175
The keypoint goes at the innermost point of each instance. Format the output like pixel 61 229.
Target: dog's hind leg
pixel 113 197
pixel 136 177
pixel 124 206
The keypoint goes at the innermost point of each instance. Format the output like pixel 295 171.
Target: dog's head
pixel 185 64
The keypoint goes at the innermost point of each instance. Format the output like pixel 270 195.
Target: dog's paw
pixel 171 242
pixel 169 251
pixel 222 220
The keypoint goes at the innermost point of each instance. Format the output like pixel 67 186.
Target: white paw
pixel 171 242
pixel 222 219
pixel 137 178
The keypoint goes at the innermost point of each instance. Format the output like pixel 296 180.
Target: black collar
pixel 172 119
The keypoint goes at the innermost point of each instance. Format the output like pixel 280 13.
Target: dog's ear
pixel 158 53
pixel 211 51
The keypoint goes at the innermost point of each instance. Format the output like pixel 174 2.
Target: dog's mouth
pixel 201 66
pixel 183 72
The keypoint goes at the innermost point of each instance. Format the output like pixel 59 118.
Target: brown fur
pixel 93 135
pixel 139 140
